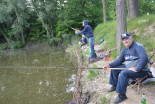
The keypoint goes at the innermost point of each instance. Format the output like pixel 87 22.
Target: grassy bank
pixel 142 29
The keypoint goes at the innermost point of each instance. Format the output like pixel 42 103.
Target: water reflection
pixel 36 86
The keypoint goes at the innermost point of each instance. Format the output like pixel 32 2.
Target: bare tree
pixel 121 21
pixel 133 9
pixel 104 11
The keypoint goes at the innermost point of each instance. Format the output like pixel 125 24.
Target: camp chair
pixel 140 80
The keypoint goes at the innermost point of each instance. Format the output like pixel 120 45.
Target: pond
pixel 28 80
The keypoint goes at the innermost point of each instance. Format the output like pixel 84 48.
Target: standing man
pixel 89 33
pixel 135 58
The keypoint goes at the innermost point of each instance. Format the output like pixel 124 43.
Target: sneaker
pixel 119 99
pixel 113 88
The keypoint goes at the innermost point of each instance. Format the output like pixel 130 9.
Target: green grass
pixel 138 24
pixel 141 35
pixel 108 30
pixel 104 100
pixel 92 74
pixel 114 53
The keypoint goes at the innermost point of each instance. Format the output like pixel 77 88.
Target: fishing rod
pixel 69 26
pixel 37 67
pixel 151 58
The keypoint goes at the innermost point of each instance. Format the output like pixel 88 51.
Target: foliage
pixel 36 32
pixel 3 46
pixel 60 30
pixel 78 10
pixel 45 11
pixel 146 6
pixel 110 8
pixel 14 19
pixel 17 44
pixel 92 74
pixel 26 20
pixel 104 100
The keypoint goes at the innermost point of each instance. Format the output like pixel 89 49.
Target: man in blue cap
pixel 134 58
pixel 89 33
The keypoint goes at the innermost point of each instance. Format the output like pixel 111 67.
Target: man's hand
pixel 82 67
pixel 76 31
pixel 106 67
pixel 133 69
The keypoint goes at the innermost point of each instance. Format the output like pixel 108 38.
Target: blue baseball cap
pixel 125 35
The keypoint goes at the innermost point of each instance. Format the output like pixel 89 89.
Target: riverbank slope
pixel 96 81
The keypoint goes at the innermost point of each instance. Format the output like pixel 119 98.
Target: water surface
pixel 36 86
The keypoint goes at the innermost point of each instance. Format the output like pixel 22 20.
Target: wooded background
pixel 22 21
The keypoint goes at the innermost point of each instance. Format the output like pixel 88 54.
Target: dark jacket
pixel 134 56
pixel 85 40
pixel 87 30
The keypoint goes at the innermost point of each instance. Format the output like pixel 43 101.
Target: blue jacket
pixel 87 30
pixel 134 56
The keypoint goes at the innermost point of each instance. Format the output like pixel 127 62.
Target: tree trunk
pixel 22 34
pixel 121 21
pixel 104 11
pixel 133 9
pixel 6 39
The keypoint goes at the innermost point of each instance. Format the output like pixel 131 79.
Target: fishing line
pixel 39 67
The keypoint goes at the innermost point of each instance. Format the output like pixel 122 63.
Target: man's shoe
pixel 113 88
pixel 119 99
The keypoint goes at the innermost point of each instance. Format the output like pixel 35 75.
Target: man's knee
pixel 125 73
pixel 113 71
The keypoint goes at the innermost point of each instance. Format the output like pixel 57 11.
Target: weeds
pixel 104 100
pixel 92 74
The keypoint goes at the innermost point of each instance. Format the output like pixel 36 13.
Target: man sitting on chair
pixel 135 58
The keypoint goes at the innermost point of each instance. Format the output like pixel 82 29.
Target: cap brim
pixel 125 37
